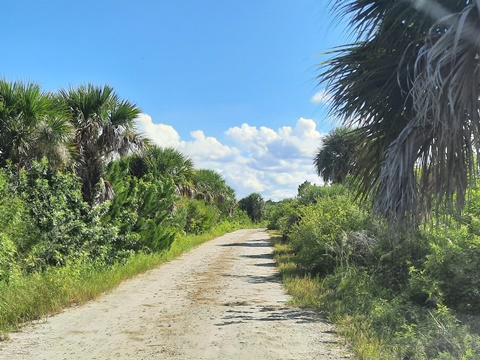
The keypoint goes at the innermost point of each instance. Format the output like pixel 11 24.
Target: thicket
pixel 55 248
pixel 83 197
pixel 397 294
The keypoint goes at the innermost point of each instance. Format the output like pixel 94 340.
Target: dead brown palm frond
pixel 105 191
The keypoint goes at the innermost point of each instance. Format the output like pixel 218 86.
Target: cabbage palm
pixel 165 162
pixel 211 187
pixel 410 84
pixel 104 129
pixel 335 159
pixel 33 124
pixel 254 206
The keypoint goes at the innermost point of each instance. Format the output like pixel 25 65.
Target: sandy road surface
pixel 223 300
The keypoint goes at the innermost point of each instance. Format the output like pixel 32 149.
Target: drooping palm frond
pixel 169 162
pixel 410 84
pixel 212 187
pixel 368 90
pixel 433 160
pixel 53 139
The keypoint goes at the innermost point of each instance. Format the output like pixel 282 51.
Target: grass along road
pixel 223 300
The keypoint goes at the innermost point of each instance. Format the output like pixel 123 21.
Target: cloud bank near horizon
pixel 270 162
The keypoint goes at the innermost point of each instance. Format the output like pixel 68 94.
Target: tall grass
pixel 378 323
pixel 311 292
pixel 28 297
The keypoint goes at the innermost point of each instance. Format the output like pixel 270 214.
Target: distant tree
pixel 303 187
pixel 254 205
pixel 335 159
pixel 211 187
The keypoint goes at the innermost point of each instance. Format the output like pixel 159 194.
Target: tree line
pixel 79 183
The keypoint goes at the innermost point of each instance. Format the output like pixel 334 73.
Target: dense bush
pixel 143 210
pixel 15 221
pixel 320 238
pixel 282 215
pixel 199 216
pixel 62 226
pixel 452 262
pixel 309 194
pixel 402 291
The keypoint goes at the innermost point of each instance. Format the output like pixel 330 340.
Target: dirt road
pixel 223 300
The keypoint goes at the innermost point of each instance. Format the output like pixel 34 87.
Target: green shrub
pixel 309 194
pixel 398 294
pixel 200 217
pixel 15 223
pixel 453 263
pixel 143 211
pixel 282 215
pixel 320 238
pixel 62 226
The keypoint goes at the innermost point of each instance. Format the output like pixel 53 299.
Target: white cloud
pixel 160 134
pixel 205 147
pixel 252 159
pixel 321 97
pixel 252 139
pixel 301 140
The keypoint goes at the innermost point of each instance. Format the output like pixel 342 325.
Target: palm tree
pixel 254 205
pixel 165 162
pixel 211 186
pixel 104 129
pixel 33 124
pixel 335 159
pixel 410 84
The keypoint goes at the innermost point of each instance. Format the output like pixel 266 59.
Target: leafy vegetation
pixel 395 295
pixel 398 270
pixel 335 159
pixel 390 250
pixel 86 202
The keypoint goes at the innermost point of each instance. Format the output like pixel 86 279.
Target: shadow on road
pixel 256 279
pixel 246 313
pixel 258 256
pixel 255 243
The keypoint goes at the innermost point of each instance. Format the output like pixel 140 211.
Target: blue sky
pixel 230 83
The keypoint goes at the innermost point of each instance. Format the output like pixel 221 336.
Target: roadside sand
pixel 223 300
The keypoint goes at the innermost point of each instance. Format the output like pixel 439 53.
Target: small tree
pixel 254 205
